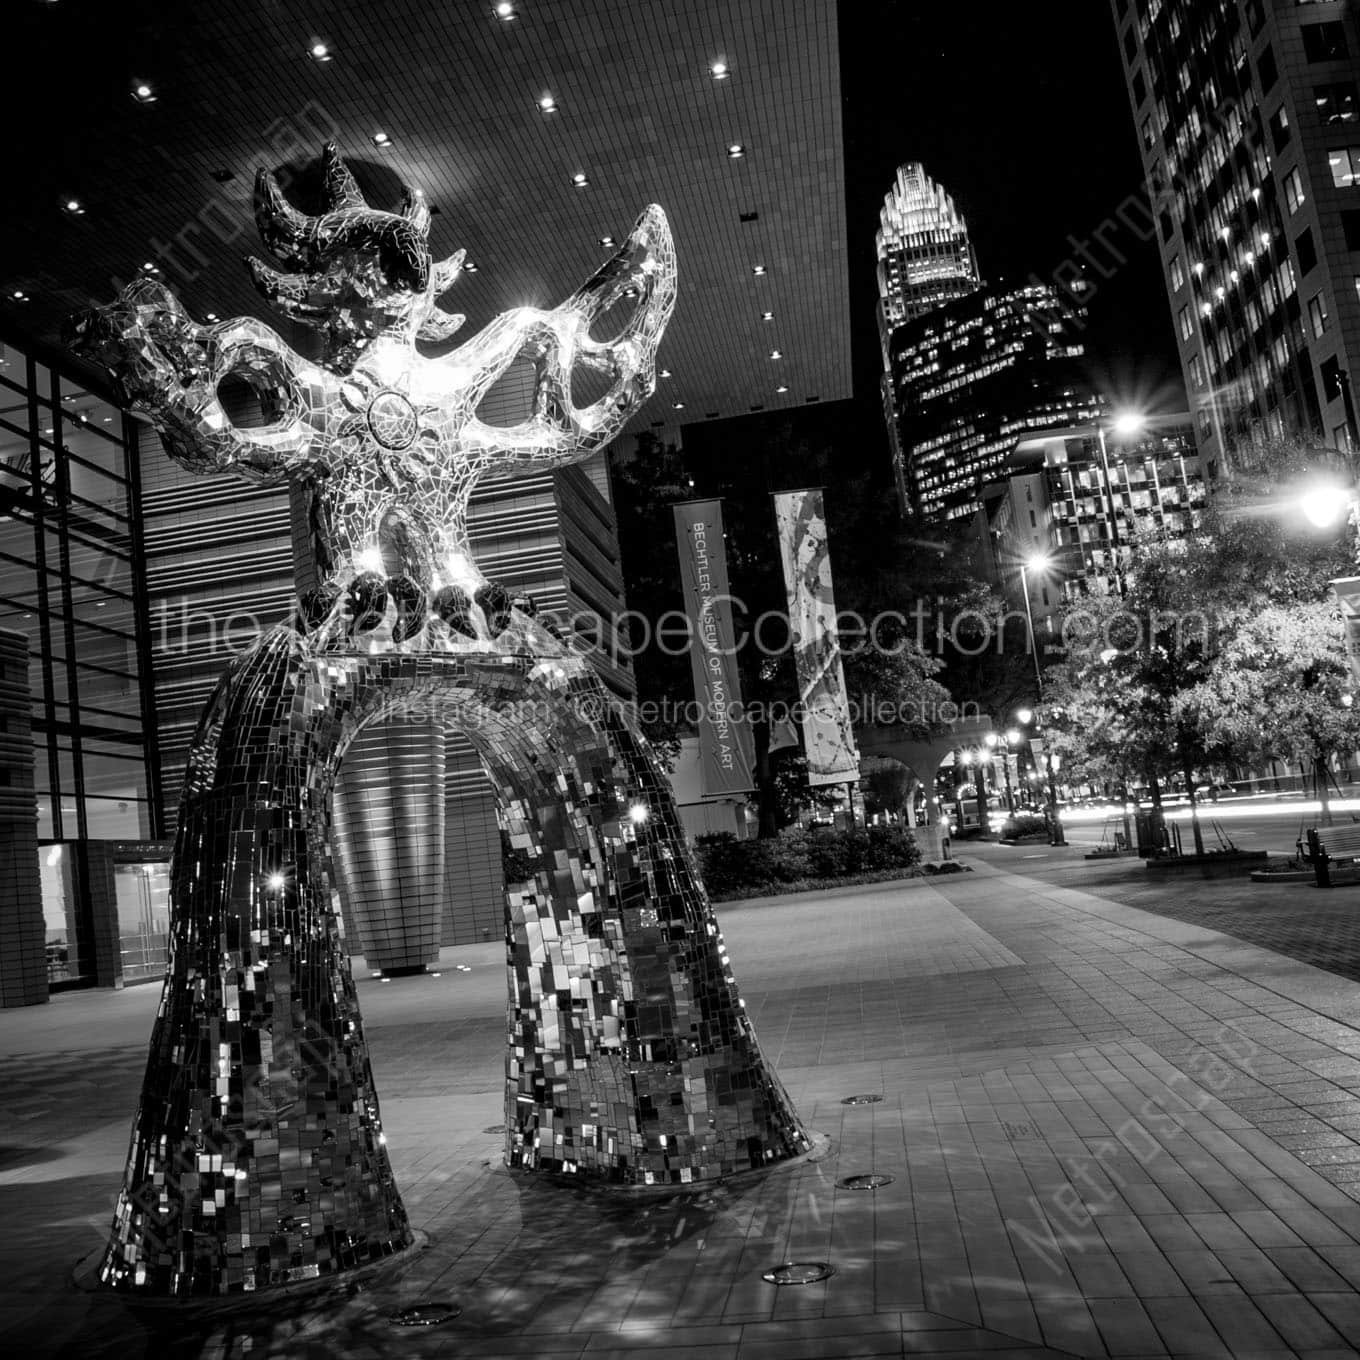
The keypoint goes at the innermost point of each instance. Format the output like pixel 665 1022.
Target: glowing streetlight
pixel 1024 715
pixel 1324 506
pixel 1128 422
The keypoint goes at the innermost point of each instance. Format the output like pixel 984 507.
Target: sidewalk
pixel 1109 1133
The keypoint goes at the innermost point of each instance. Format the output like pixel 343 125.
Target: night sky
pixel 1021 112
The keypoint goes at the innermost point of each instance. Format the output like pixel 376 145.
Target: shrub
pixel 1024 824
pixel 801 855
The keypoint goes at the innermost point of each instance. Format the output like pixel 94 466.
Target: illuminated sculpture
pixel 257 1155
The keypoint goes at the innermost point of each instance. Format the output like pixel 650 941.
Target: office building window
pixel 1177 272
pixel 1279 128
pixel 1306 251
pixel 1139 87
pixel 1350 225
pixel 1345 165
pixel 1197 365
pixel 1187 323
pixel 1293 190
pixel 1324 42
pixel 1317 315
pixel 1267 70
pixel 1336 103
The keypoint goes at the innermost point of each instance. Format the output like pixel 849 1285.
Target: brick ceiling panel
pixel 457 90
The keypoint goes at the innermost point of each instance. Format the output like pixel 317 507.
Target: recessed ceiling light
pixel 757 269
pixel 579 179
pixel 767 316
pixel 505 10
pixel 50 430
pixel 678 406
pixel 665 373
pixel 775 354
pixel 73 206
pixel 320 52
pixel 19 295
pixel 108 420
pixel 143 93
pixel 381 139
pixel 548 104
pixel 211 316
pixel 469 267
pixel 783 387
pixel 606 240
pixel 735 151
pixel 718 70
pixel 150 267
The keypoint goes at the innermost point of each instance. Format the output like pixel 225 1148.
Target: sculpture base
pixel 276 1298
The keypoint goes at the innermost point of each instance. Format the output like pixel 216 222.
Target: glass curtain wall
pixel 72 579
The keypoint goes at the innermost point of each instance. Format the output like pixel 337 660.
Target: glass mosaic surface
pixel 258 1157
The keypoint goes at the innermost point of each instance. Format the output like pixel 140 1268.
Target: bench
pixel 1328 843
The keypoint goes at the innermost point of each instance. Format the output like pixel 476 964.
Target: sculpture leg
pixel 630 1055
pixel 257 1153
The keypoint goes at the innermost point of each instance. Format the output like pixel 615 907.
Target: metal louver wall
pixel 389 843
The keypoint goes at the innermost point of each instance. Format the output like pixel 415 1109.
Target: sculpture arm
pixel 170 367
pixel 557 431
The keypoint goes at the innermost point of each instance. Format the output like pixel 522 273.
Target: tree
pixel 1190 668
pixel 1281 689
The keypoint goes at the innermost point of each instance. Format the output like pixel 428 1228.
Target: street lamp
pixel 1325 505
pixel 1036 562
pixel 1040 562
pixel 1126 423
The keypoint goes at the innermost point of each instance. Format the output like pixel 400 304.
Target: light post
pixel 1127 423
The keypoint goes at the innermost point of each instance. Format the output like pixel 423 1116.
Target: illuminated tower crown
pixel 925 258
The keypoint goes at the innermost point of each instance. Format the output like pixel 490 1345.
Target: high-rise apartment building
pixel 1249 123
pixel 967 379
pixel 1079 503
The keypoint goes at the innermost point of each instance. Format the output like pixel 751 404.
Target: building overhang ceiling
pixel 457 90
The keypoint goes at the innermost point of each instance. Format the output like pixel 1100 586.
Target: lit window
pixel 1345 163
pixel 1187 323
pixel 1336 103
pixel 1177 273
pixel 1293 190
pixel 1317 315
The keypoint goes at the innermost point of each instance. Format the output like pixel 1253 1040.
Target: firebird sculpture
pixel 257 1157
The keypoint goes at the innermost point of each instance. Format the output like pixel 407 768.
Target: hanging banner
pixel 830 740
pixel 1347 592
pixel 726 746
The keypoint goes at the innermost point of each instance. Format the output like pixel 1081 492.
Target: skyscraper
pixel 925 257
pixel 967 379
pixel 1247 114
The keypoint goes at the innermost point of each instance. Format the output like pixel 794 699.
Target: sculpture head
pixel 357 271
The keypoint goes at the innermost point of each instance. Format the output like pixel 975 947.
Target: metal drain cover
pixel 871 1181
pixel 424 1315
pixel 799 1272
pixel 862 1100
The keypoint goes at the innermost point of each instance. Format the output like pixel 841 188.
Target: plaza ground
pixel 1119 1120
